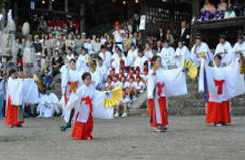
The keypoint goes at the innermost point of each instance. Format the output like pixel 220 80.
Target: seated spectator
pixel 70 55
pixel 207 11
pixel 48 104
pixel 56 63
pixel 169 36
pixel 222 6
pixel 47 72
pixel 37 44
pixel 230 12
pixel 123 104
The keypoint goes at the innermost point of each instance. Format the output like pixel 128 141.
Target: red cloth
pixel 160 88
pixel 163 112
pixel 73 88
pixel 218 112
pixel 219 84
pixel 14 115
pixel 82 130
pixel 88 101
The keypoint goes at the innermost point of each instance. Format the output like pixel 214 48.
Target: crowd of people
pixel 91 67
pixel 223 10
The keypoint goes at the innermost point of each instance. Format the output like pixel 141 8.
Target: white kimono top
pixel 226 52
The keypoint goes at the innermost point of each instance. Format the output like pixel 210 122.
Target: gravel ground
pixel 188 138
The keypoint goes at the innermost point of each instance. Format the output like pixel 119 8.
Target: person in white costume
pixel 181 53
pixel 224 48
pixel 198 49
pixel 167 55
pixel 222 84
pixel 88 103
pixel 100 74
pixel 106 56
pixel 132 55
pixel 161 84
pixel 140 60
pixel 117 59
pixel 70 81
pixel 82 61
pixel 48 105
pixel 239 47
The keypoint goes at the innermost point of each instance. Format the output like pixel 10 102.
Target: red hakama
pixel 81 130
pixel 163 112
pixel 218 112
pixel 14 115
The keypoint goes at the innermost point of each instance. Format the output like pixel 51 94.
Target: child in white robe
pixel 70 81
pixel 88 102
pixel 161 84
pixel 222 83
pixel 82 63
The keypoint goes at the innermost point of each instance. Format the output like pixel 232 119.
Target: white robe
pixel 226 52
pixel 30 91
pixel 238 47
pixel 15 91
pixel 48 105
pixel 174 84
pixel 82 64
pixel 131 56
pixel 66 77
pixel 116 63
pixel 167 55
pixel 182 53
pixel 99 111
pixel 106 57
pixel 139 62
pixel 233 85
pixel 196 56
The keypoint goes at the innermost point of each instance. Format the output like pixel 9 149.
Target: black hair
pixel 72 60
pixel 12 71
pixel 218 56
pixel 100 59
pixel 155 58
pixel 140 49
pixel 69 48
pixel 85 75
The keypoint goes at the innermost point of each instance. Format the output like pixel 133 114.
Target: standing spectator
pixel 160 34
pixel 78 44
pixel 70 43
pixel 70 55
pixel 185 33
pixel 56 63
pixel 37 44
pixel 47 72
pixel 169 37
pixel 46 43
pixel 127 42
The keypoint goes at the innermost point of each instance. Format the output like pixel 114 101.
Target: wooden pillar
pixel 172 14
pixel 82 14
pixel 66 6
pixel 196 8
pixel 50 6
pixel 16 17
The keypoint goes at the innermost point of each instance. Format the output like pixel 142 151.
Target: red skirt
pixel 218 112
pixel 163 112
pixel 14 115
pixel 82 130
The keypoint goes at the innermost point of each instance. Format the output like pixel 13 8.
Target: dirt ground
pixel 188 138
